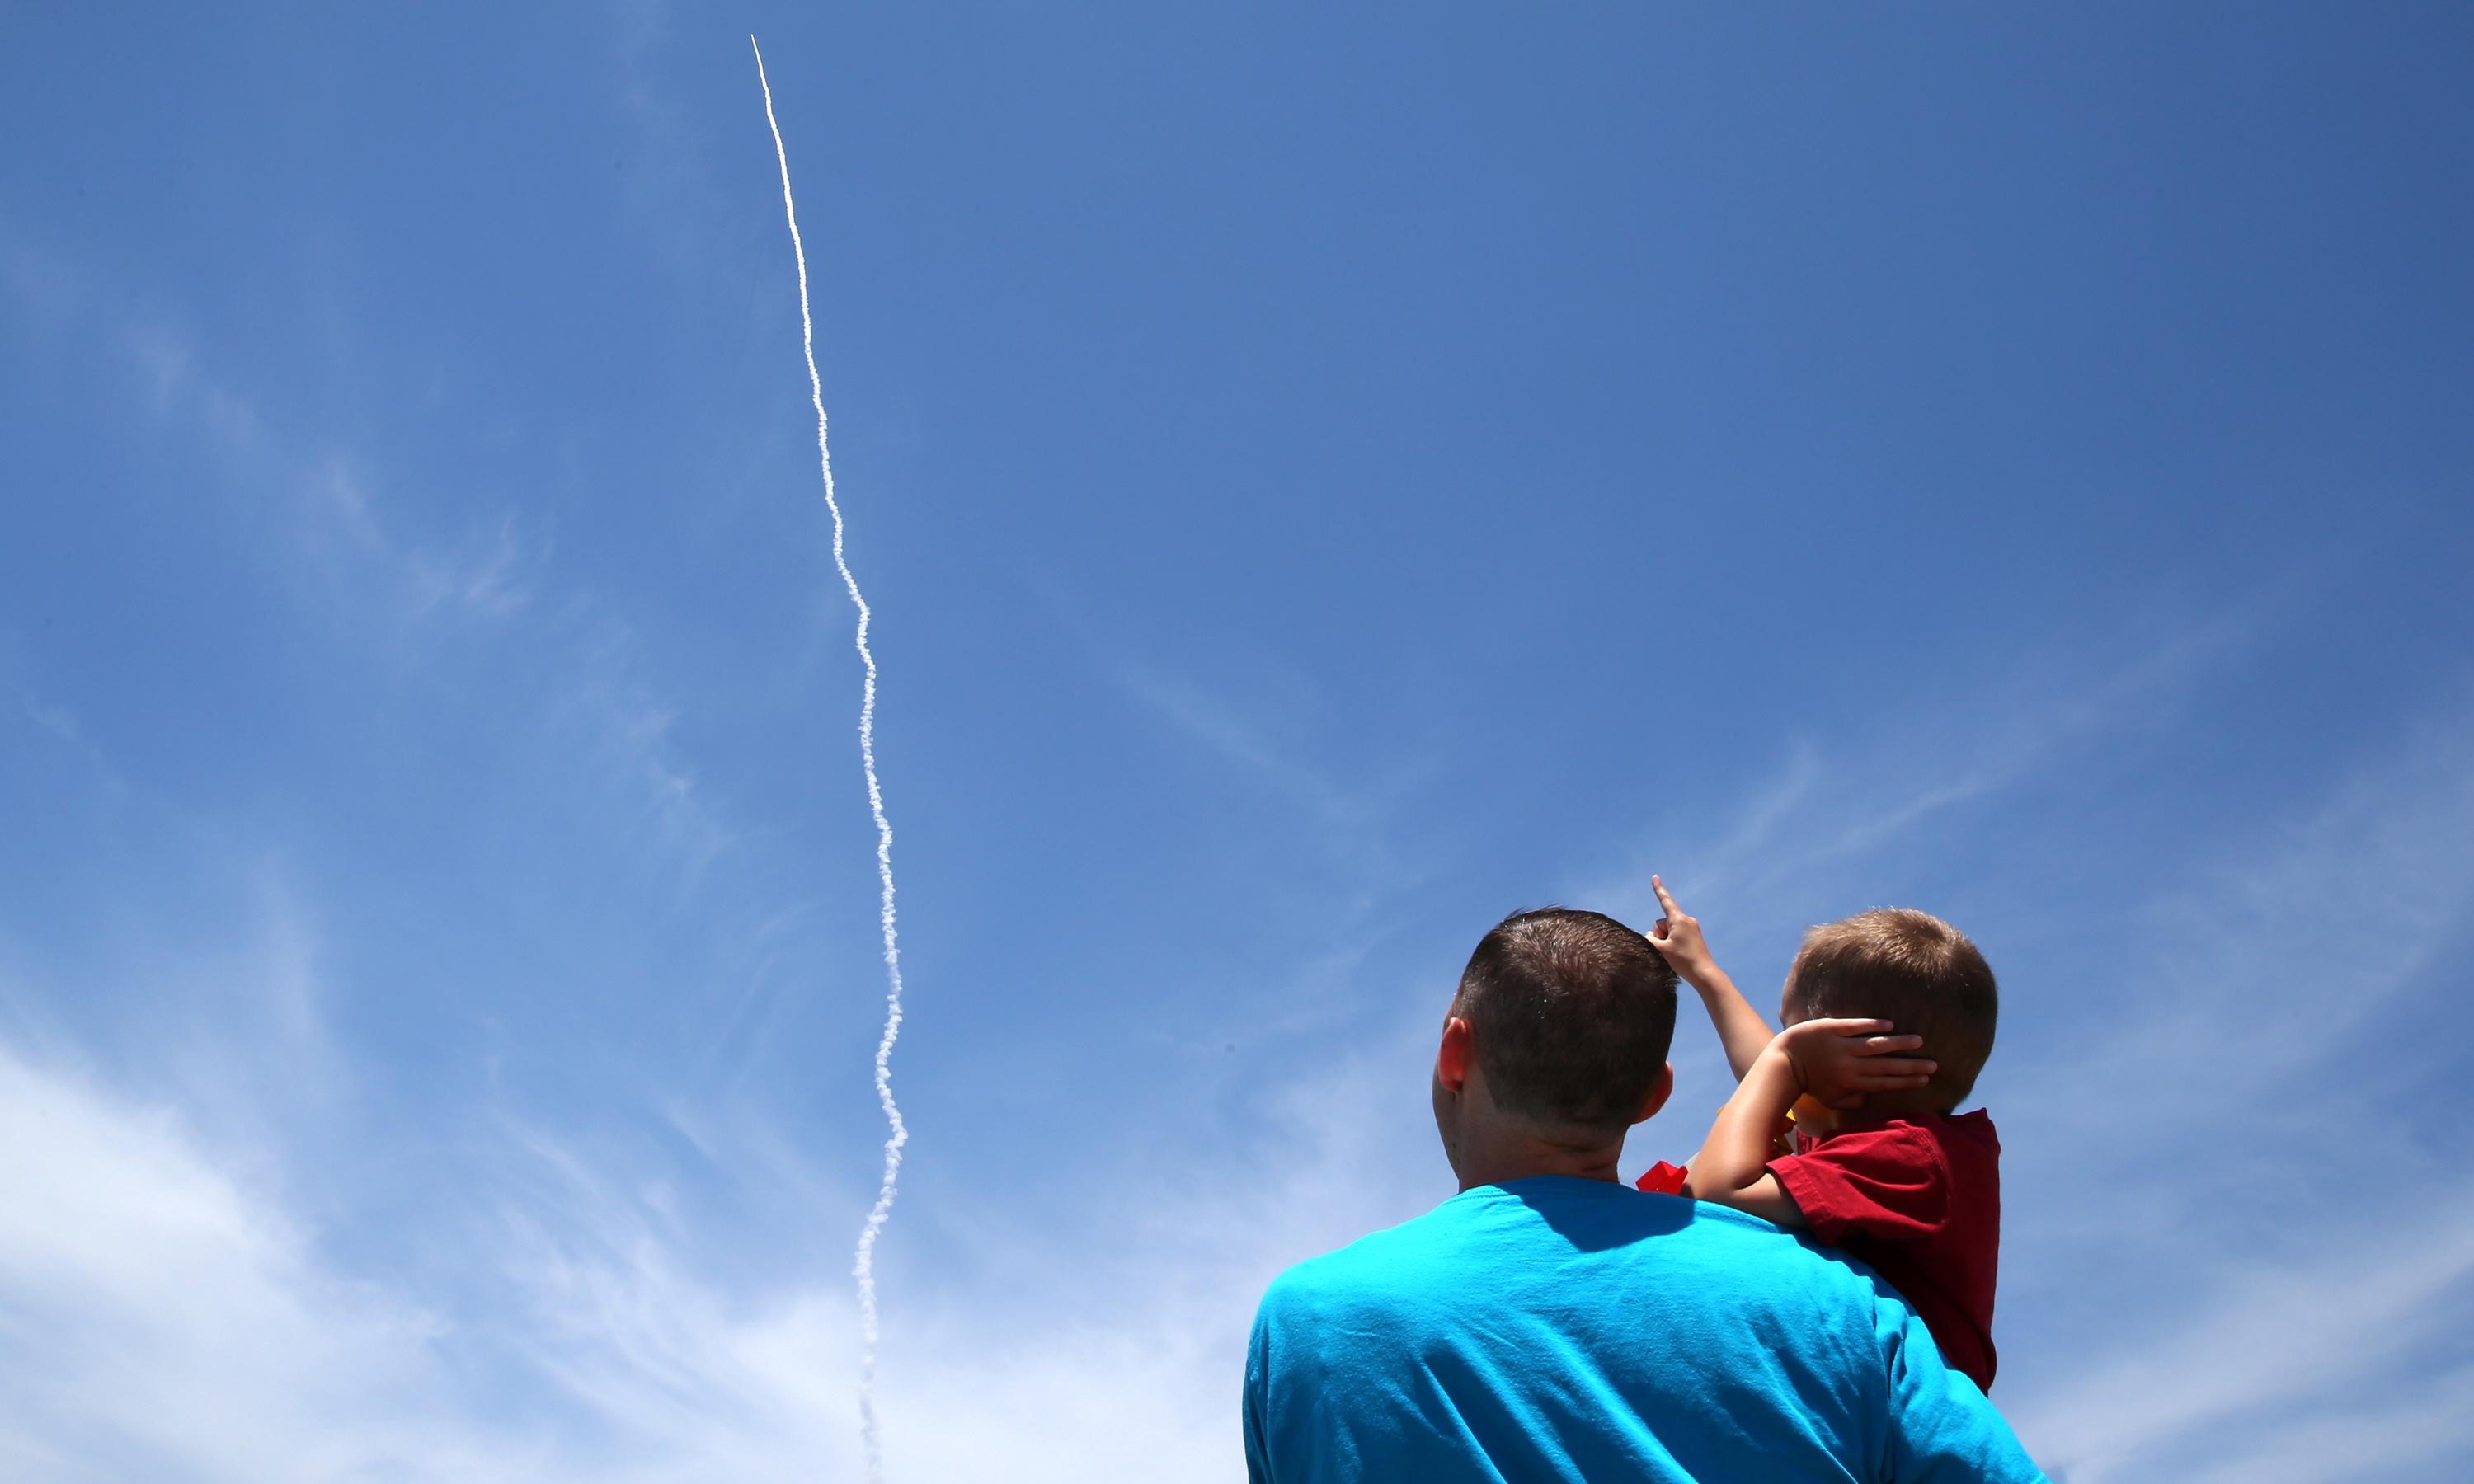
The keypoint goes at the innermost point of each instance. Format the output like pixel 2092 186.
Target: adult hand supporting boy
pixel 1837 1062
pixel 1677 937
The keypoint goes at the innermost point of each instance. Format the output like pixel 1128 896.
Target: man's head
pixel 1909 968
pixel 1558 1034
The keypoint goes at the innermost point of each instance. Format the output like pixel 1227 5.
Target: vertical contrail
pixel 863 1263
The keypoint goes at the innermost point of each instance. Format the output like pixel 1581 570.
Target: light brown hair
pixel 1912 969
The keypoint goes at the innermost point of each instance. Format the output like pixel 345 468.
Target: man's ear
pixel 1659 1094
pixel 1453 1057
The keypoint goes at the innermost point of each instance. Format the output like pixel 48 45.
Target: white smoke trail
pixel 863 1263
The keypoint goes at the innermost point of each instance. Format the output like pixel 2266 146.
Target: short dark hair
pixel 1912 969
pixel 1573 1014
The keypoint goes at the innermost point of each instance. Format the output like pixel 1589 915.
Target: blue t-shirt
pixel 1566 1329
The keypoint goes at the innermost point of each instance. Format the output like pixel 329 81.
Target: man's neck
pixel 1522 1157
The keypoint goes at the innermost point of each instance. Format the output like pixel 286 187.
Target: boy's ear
pixel 1453 1057
pixel 1659 1094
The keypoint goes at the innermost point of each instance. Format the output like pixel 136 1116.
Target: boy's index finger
pixel 1664 900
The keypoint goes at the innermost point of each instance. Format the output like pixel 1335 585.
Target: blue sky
pixel 1324 481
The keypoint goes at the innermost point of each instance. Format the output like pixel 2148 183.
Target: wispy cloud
pixel 491 578
pixel 2255 999
pixel 1350 825
pixel 1963 742
pixel 607 1323
pixel 352 552
pixel 1242 738
pixel 2288 1349
pixel 166 1321
pixel 58 722
pixel 188 1324
pixel 322 499
pixel 2407 1426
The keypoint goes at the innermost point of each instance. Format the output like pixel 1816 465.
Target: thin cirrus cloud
pixel 326 509
pixel 435 998
pixel 2268 1283
pixel 606 1300
pixel 603 1287
pixel 165 1323
pixel 177 1318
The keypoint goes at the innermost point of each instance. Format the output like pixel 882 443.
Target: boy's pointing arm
pixel 1677 937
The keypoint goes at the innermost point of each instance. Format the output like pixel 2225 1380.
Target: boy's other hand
pixel 1677 938
pixel 1838 1062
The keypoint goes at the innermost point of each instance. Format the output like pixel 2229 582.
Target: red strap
pixel 1663 1178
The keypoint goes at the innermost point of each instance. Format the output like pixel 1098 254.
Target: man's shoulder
pixel 1377 1263
pixel 1493 1230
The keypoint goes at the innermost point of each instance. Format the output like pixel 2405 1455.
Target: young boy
pixel 1876 1164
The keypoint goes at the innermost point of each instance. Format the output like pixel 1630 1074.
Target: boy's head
pixel 1571 1013
pixel 1912 969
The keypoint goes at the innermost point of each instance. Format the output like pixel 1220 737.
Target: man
pixel 1549 1322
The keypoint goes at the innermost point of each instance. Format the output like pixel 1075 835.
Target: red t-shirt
pixel 1920 1200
